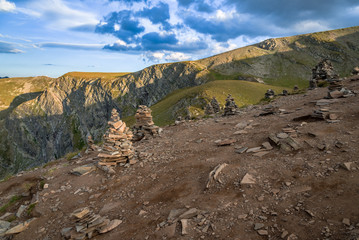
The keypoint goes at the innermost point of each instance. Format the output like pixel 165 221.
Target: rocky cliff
pixel 58 121
pixel 51 123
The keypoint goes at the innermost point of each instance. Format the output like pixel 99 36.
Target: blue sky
pixel 52 37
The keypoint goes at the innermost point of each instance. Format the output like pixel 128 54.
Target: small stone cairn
pixel 144 124
pixel 269 94
pixel 212 107
pixel 324 71
pixel 91 145
pixel 88 225
pixel 118 146
pixel 230 107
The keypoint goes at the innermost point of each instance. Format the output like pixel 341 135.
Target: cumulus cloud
pixel 8 48
pixel 6 6
pixel 121 24
pixel 177 56
pixel 73 46
pixel 58 14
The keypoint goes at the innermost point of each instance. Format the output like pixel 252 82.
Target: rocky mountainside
pixel 288 59
pixel 56 122
pixel 287 169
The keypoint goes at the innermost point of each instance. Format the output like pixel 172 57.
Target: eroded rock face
pixel 58 121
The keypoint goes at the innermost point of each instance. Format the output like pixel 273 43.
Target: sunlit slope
pixel 192 101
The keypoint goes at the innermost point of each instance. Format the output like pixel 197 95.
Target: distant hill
pixel 55 116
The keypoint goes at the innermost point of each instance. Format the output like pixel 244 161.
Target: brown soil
pixel 173 171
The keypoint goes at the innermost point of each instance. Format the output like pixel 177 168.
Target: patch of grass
pixel 7 177
pixel 30 208
pixel 42 184
pixel 70 155
pixel 10 203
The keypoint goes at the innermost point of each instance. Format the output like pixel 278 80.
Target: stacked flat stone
pixel 118 146
pixel 324 71
pixel 91 145
pixel 144 124
pixel 88 225
pixel 230 107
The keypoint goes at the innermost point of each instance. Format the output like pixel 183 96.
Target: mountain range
pixel 42 119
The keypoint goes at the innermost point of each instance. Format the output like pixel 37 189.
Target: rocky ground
pixel 305 186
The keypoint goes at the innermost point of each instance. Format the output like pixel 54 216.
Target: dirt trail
pixel 300 194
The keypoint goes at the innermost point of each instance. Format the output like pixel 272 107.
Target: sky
pixel 52 37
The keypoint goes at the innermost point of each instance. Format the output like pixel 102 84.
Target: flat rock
pixel 282 135
pixel 346 221
pixel 258 226
pixel 240 132
pixel 170 230
pixel 248 179
pixel 80 213
pixel 184 223
pixel 255 149
pixel 189 214
pixel 241 150
pixel 225 142
pixel 83 170
pixel 241 125
pixel 112 225
pixel 175 213
pixel 262 232
pixel 4 226
pixel 20 210
pixel 267 145
pixel 20 227
pixel 348 165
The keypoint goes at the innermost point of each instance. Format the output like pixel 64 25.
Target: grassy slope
pixel 244 93
pixel 13 87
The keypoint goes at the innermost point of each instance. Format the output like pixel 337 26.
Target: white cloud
pixel 6 6
pixel 309 26
pixel 177 56
pixel 75 46
pixel 354 10
pixel 59 15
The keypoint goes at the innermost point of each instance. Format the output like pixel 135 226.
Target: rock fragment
pixel 248 179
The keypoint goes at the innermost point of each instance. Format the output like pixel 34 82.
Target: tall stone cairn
pixel 215 105
pixel 324 71
pixel 230 107
pixel 144 124
pixel 118 146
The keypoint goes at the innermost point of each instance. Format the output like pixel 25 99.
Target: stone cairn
pixel 144 124
pixel 118 146
pixel 212 107
pixel 324 71
pixel 269 94
pixel 88 225
pixel 230 107
pixel 91 145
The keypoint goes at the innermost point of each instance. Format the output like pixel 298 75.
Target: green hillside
pixel 193 100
